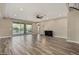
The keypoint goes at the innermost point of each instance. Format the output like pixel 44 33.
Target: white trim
pixel 61 37
pixel 5 37
pixel 68 40
pixel 73 41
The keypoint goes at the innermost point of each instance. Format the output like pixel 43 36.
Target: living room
pixel 39 29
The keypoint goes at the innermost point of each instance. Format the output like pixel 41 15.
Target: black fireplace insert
pixel 48 33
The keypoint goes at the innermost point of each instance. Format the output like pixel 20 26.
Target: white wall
pixel 5 24
pixel 34 28
pixel 2 9
pixel 73 26
pixel 59 26
pixel 5 28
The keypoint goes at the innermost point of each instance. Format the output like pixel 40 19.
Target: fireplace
pixel 48 33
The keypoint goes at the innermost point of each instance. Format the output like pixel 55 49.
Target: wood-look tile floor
pixel 37 45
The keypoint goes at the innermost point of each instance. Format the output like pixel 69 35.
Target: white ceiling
pixel 28 11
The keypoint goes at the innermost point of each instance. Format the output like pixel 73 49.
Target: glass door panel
pixel 21 28
pixel 18 28
pixel 29 29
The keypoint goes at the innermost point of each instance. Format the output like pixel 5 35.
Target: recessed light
pixel 21 9
pixel 14 14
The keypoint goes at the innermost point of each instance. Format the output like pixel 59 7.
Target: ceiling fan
pixel 39 16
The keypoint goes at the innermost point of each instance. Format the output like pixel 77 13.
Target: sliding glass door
pixel 19 29
pixel 28 29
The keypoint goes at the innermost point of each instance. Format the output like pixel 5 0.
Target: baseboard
pixel 61 37
pixel 73 41
pixel 5 37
